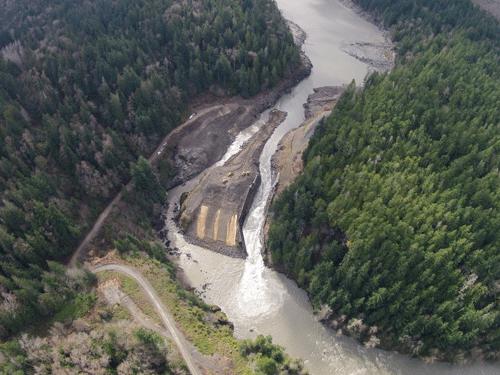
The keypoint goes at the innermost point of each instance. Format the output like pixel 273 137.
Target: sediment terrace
pixel 212 214
pixel 203 143
pixel 287 161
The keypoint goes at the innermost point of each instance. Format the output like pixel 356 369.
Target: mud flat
pixel 213 213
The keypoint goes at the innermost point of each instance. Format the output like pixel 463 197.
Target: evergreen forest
pixel 88 86
pixel 394 225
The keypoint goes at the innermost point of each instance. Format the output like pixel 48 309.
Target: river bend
pixel 257 299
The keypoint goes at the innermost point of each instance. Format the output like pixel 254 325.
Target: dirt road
pixel 114 295
pixel 167 319
pixel 199 144
pixel 152 159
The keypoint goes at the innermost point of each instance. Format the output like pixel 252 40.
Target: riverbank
pixel 257 299
pixel 212 214
pixel 287 161
pixel 200 145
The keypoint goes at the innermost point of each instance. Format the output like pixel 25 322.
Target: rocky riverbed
pixel 379 56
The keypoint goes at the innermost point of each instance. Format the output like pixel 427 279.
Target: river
pixel 259 300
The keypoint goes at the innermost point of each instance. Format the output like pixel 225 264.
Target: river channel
pixel 257 299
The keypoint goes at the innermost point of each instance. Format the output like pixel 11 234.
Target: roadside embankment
pixel 213 212
pixel 200 333
pixel 166 317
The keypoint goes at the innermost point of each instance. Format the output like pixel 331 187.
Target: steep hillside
pixel 88 86
pixel 492 6
pixel 394 226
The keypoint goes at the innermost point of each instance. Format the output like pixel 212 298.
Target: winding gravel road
pixel 167 319
pixel 77 255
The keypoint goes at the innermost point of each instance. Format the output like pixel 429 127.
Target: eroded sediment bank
pixel 201 144
pixel 212 214
pixel 287 161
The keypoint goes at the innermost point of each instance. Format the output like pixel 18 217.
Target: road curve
pixel 167 319
pixel 105 213
pixel 95 229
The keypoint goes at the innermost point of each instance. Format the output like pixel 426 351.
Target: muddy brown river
pixel 259 300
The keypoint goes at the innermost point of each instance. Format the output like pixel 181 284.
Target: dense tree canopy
pixel 395 221
pixel 88 86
